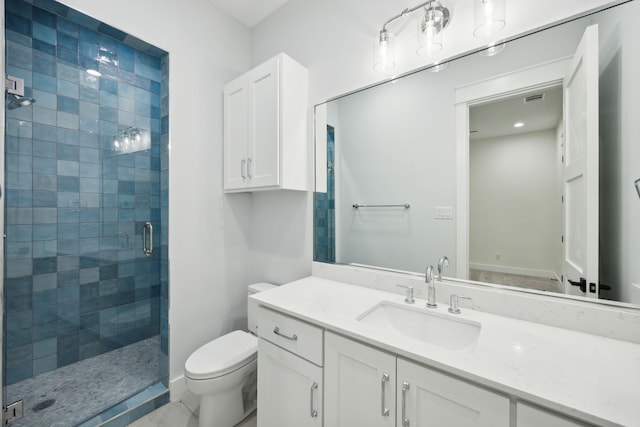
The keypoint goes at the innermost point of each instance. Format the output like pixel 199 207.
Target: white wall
pixel 334 40
pixel 208 232
pixel 513 223
pixel 395 146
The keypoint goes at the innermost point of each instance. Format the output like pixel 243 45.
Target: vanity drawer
pixel 292 334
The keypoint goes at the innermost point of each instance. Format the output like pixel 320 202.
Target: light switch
pixel 444 212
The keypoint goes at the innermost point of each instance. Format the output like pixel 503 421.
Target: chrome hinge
pixel 13 412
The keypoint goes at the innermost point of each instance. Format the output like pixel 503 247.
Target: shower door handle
pixel 148 250
pixel 249 164
pixel 243 165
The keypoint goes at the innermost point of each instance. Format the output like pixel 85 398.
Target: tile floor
pixel 517 280
pixel 88 387
pixel 182 413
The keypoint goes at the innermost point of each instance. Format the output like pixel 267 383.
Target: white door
pixel 429 398
pixel 580 171
pixel 235 134
pixel 359 384
pixel 289 389
pixel 264 125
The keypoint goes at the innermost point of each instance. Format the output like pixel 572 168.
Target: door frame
pixel 541 76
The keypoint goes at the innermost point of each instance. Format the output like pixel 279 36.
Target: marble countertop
pixel 595 379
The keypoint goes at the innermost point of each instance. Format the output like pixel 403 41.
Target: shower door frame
pixel 2 200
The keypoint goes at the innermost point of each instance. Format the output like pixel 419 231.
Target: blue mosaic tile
pixel 19 8
pixel 68 42
pixel 44 47
pixel 45 248
pixel 44 33
pixel 85 21
pixel 68 55
pixel 45 348
pixel 43 13
pixel 68 27
pixel 44 64
pixel 18 24
pixel 44 132
pixel 44 82
pixel 68 184
pixel 45 215
pixel 68 105
pixel 19 373
pixel 45 364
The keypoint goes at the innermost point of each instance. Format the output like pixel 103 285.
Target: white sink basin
pixel 414 322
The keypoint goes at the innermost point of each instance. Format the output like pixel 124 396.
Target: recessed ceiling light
pixel 518 125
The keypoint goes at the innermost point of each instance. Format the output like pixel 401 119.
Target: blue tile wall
pixel 77 282
pixel 324 206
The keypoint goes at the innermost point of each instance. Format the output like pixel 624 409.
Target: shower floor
pixel 88 387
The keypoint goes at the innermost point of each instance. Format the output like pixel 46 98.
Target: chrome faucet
pixel 431 289
pixel 444 262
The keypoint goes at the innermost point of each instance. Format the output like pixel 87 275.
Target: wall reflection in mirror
pixel 492 155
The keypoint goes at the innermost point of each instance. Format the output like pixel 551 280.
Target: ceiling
pixel 249 12
pixel 497 118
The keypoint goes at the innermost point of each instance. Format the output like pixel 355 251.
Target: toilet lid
pixel 222 355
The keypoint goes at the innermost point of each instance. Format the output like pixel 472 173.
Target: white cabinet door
pixel 429 398
pixel 359 384
pixel 235 134
pixel 289 389
pixel 531 416
pixel 264 125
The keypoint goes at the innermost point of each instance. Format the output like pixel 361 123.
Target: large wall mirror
pixel 520 167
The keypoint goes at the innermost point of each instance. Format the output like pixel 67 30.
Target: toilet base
pixel 222 409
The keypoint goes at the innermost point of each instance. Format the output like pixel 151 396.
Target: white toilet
pixel 223 372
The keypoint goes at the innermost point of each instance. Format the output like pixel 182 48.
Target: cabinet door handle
pixel 243 165
pixel 405 388
pixel 249 164
pixel 313 412
pixel 385 411
pixel 276 331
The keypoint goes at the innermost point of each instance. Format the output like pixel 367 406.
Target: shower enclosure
pixel 85 337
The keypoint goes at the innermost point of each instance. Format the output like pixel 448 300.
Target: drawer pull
pixel 313 413
pixel 384 410
pixel 405 420
pixel 276 331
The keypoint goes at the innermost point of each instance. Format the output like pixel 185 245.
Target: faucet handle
pixel 453 303
pixel 409 298
pixel 443 262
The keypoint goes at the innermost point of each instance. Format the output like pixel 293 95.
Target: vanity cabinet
pixel 362 382
pixel 290 374
pixel 428 397
pixel 533 416
pixel 265 128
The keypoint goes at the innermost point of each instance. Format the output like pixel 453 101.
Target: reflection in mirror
pixel 515 149
pixel 511 206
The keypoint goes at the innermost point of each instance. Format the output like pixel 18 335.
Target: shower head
pixel 16 101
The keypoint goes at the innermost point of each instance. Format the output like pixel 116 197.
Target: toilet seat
pixel 222 356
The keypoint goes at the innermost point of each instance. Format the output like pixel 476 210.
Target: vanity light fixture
pixel 489 17
pixel 431 23
pixel 518 125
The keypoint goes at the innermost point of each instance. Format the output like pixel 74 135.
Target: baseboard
pixel 177 388
pixel 514 270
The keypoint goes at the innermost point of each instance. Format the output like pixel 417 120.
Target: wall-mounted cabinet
pixel 265 128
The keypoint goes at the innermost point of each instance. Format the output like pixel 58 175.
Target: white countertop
pixel 592 378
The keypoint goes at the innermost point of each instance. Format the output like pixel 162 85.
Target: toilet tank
pixel 252 306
